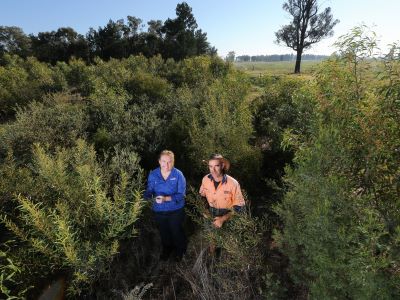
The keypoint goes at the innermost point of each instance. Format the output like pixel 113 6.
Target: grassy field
pixel 275 68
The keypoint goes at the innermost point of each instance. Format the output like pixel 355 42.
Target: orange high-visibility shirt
pixel 227 194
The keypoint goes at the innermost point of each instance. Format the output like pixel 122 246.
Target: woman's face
pixel 166 163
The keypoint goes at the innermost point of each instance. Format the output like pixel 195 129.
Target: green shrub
pixel 235 272
pixel 78 211
pixel 9 287
pixel 341 213
pixel 23 81
pixel 223 124
pixel 59 120
pixel 80 77
pixel 284 111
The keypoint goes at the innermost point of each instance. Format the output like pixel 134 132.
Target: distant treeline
pixel 278 57
pixel 175 38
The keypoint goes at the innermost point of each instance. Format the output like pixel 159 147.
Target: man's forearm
pixel 226 217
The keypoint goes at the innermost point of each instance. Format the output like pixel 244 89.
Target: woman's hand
pixel 161 199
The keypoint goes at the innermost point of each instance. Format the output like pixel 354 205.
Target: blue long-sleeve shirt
pixel 174 186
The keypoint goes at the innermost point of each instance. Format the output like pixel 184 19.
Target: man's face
pixel 166 163
pixel 215 167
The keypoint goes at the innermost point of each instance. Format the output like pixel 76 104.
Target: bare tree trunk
pixel 298 61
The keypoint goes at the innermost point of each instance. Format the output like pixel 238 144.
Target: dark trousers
pixel 170 226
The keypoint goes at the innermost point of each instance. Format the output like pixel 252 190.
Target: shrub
pixel 9 287
pixel 23 81
pixel 284 111
pixel 234 274
pixel 78 212
pixel 222 124
pixel 59 120
pixel 341 216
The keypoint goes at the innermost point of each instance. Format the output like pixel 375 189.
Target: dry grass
pixel 212 276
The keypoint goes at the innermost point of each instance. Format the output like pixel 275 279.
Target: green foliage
pixel 283 118
pixel 59 196
pixel 181 37
pixel 59 120
pixel 233 274
pixel 357 50
pixel 286 103
pixel 133 101
pixel 79 76
pixel 222 124
pixel 13 40
pixel 23 81
pixel 71 204
pixel 59 45
pixel 273 288
pixel 341 213
pixel 78 211
pixel 116 122
pixel 241 234
pixel 8 271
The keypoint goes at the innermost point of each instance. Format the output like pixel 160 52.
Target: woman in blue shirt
pixel 167 186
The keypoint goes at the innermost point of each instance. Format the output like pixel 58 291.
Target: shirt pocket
pixel 209 195
pixel 158 186
pixel 228 197
pixel 173 185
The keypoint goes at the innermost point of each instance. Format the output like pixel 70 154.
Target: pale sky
pixel 246 27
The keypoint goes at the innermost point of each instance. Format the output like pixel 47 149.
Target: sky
pixel 243 26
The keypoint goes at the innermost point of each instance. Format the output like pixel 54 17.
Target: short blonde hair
pixel 168 153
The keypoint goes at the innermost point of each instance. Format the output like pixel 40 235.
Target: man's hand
pixel 219 221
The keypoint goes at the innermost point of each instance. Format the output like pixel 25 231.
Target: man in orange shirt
pixel 221 190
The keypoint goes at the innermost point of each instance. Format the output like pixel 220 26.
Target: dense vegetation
pixel 341 213
pixel 317 156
